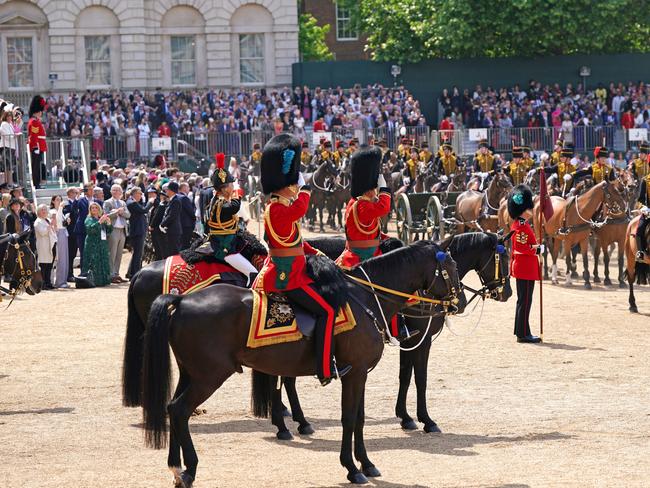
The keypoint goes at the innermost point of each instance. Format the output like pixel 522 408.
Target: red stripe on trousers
pixel 393 326
pixel 327 343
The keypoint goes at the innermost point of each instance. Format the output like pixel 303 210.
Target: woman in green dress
pixel 96 258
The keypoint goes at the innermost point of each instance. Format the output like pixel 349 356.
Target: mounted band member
pixel 528 159
pixel 447 163
pixel 223 222
pixel 524 265
pixel 563 168
pixel 600 170
pixel 556 155
pixel 644 200
pixel 404 148
pixel 352 147
pixel 640 166
pixel 284 270
pixel 339 155
pixel 426 156
pixel 484 160
pixel 516 169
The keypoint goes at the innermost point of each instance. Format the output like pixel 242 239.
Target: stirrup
pixel 640 256
pixel 407 334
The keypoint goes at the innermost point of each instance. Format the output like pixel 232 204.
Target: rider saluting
pixel 284 270
pixel 223 220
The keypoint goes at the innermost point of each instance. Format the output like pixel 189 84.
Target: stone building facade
pixel 100 44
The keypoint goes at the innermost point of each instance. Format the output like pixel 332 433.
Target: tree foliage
pixel 412 30
pixel 311 40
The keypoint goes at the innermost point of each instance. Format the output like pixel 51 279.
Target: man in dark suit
pixel 171 221
pixel 137 227
pixel 104 183
pixel 71 210
pixel 81 208
pixel 188 219
pixel 205 198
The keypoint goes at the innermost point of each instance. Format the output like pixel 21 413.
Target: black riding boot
pixel 640 239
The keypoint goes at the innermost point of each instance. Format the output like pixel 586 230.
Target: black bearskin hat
pixel 567 150
pixel 37 105
pixel 280 163
pixel 364 169
pixel 520 200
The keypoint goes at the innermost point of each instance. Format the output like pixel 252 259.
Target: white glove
pixel 544 156
pixel 381 181
pixel 531 173
pixel 444 179
pixel 37 151
pixel 645 210
pixel 407 180
pixel 301 179
pixel 484 175
pixel 541 249
pixel 163 229
pixel 567 178
pixel 553 177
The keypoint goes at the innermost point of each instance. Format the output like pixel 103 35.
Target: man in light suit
pixel 137 228
pixel 116 209
pixel 171 221
pixel 80 207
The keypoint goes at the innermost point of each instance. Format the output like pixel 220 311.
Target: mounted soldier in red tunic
pixel 285 268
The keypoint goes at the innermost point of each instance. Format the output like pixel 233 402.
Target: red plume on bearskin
pixel 221 160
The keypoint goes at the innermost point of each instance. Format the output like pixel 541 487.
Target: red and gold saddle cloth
pixel 181 278
pixel 274 321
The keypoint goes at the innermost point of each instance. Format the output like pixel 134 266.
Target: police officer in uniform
pixel 524 266
pixel 284 270
pixel 223 222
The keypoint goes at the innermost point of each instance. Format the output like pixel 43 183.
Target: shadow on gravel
pixel 38 412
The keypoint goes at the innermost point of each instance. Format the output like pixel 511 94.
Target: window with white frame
pixel 183 60
pixel 251 58
pixel 98 60
pixel 345 25
pixel 20 62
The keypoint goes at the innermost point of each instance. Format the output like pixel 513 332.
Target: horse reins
pixel 25 279
pixel 492 288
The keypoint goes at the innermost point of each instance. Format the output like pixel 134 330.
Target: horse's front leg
pixel 304 427
pixel 405 371
pixel 607 281
pixel 368 468
pixel 277 414
pixel 597 258
pixel 353 387
pixel 621 264
pixel 421 361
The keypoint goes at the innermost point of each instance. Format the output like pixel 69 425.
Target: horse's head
pixel 442 280
pixel 20 263
pixel 499 187
pixel 494 267
pixel 615 198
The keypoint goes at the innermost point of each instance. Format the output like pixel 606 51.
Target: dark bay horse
pixel 484 253
pixel 320 192
pixel 20 264
pixel 635 271
pixel 208 330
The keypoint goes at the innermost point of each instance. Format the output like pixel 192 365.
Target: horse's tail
pixel 133 345
pixel 156 377
pixel 263 386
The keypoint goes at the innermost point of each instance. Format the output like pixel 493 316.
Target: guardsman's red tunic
pixel 284 268
pixel 524 264
pixel 363 228
pixel 36 135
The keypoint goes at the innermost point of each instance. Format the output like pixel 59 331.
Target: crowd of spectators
pixel 116 208
pixel 537 105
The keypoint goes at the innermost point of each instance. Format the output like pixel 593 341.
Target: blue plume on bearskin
pixel 329 280
pixel 520 200
pixel 276 172
pixel 364 169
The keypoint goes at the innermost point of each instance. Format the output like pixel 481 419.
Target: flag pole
pixel 542 181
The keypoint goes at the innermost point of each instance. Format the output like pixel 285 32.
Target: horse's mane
pixel 408 257
pixel 470 241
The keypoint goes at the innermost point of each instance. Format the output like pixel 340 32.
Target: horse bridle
pixel 494 287
pixel 25 279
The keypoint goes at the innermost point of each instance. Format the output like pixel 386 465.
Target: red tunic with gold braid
pixel 524 264
pixel 36 135
pixel 363 228
pixel 284 268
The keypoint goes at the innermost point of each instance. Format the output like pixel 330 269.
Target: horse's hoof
pixel 554 282
pixel 357 479
pixel 371 472
pixel 284 435
pixel 574 274
pixel 185 480
pixel 621 284
pixel 607 282
pixel 587 286
pixel 432 428
pixel 597 280
pixel 286 412
pixel 634 309
pixel 409 424
pixel 306 429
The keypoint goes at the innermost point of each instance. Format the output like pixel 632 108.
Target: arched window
pixel 252 45
pixel 23 40
pixel 98 48
pixel 183 47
